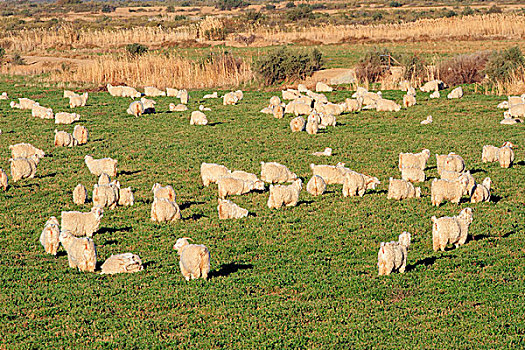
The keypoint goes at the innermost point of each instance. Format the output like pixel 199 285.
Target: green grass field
pixel 301 277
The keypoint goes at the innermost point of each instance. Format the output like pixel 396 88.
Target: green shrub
pixel 467 11
pixel 395 4
pixel 108 8
pixel 170 8
pixel 464 69
pixel 230 4
pixel 269 7
pixel 290 5
pixel 377 16
pixel 287 64
pixel 374 65
pixel 254 16
pixel 135 49
pixel 2 54
pixel 300 12
pixel 501 64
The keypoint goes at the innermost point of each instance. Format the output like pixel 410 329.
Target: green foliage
pixel 395 4
pixel 502 64
pixel 269 7
pixel 450 13
pixel 300 12
pixel 374 64
pixel 230 4
pixel 290 5
pixel 2 54
pixel 254 16
pixel 467 11
pixel 288 64
pixel 108 8
pixel 377 16
pixel 170 8
pixel 68 2
pixel 135 50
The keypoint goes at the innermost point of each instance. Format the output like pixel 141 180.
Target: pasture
pixel 300 277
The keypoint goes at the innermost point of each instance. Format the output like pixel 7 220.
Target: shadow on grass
pixel 194 217
pixel 148 263
pixel 428 261
pixel 47 175
pixel 475 171
pixel 109 242
pixel 228 269
pixel 482 237
pixel 216 123
pixel 495 199
pixel 189 204
pixel 131 172
pixel 115 229
pixel 521 162
pixel 304 202
pixel 61 254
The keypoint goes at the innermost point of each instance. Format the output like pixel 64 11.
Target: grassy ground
pixel 302 277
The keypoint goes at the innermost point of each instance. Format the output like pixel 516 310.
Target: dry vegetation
pixel 162 71
pixel 479 27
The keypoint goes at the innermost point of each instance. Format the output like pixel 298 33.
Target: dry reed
pixel 161 71
pixel 28 40
pixel 477 27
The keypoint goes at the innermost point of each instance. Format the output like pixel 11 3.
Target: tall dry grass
pixel 477 27
pixel 161 71
pixel 510 26
pixel 515 85
pixel 28 40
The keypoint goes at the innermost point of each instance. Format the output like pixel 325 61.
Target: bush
pixel 467 11
pixel 269 7
pixel 464 69
pixel 230 4
pixel 494 9
pixel 135 49
pixel 108 9
pixel 287 64
pixel 377 16
pixel 253 16
pixel 374 65
pixel 415 67
pixel 18 60
pixel 290 5
pixel 170 8
pixel 300 12
pixel 395 4
pixel 502 64
pixel 2 54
